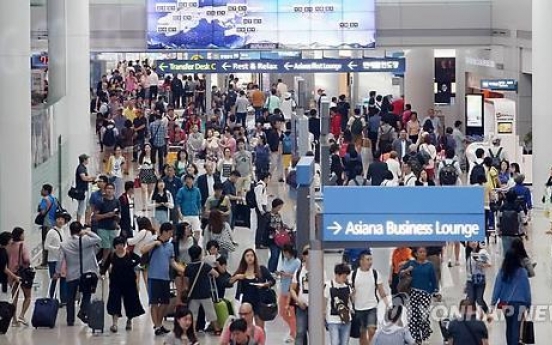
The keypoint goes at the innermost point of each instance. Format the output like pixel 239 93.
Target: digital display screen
pixel 474 111
pixel 505 127
pixel 260 24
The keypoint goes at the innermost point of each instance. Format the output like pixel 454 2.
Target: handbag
pixel 405 282
pixel 88 281
pixel 137 182
pixel 39 219
pixel 268 307
pixel 76 194
pixel 527 332
pixel 26 274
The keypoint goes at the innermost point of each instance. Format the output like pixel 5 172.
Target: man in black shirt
pixel 467 330
pixel 197 283
pixel 229 189
pixel 108 215
pixel 376 170
pixel 343 108
pixel 274 138
pixel 82 179
pixel 314 125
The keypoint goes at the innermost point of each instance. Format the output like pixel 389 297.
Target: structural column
pixel 57 50
pixel 15 115
pixel 542 122
pixel 77 16
pixel 419 80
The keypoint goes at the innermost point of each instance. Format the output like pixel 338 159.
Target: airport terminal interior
pixel 202 163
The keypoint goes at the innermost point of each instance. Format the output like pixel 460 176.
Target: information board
pixel 281 66
pixel 260 24
pixel 384 214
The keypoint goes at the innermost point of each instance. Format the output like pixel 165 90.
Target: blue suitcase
pixel 45 312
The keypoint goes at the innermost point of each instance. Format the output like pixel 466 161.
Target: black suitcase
pixel 96 313
pixel 7 311
pixel 45 312
pixel 443 326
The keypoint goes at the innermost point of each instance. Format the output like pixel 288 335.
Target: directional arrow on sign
pixel 336 228
pixel 352 65
pixel 162 67
pixel 225 66
pixel 287 66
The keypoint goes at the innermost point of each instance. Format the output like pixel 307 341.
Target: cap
pixel 84 157
pixel 63 214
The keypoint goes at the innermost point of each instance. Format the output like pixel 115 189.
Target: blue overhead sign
pixel 406 214
pixel 499 84
pixel 284 65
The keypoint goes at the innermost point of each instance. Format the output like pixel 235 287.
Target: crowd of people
pixel 201 170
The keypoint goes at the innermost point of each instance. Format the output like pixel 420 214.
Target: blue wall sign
pixel 499 84
pixel 284 65
pixel 39 61
pixel 406 214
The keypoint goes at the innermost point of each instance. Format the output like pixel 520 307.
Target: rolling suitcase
pixel 223 307
pixel 7 311
pixel 96 313
pixel 45 311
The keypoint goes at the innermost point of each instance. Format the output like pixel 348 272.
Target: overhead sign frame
pixel 387 217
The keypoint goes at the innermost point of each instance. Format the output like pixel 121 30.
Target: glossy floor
pixel 539 247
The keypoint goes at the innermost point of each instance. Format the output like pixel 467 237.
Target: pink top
pixel 13 256
pixel 258 336
pixel 130 84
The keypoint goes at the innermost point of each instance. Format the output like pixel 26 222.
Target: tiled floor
pixel 453 281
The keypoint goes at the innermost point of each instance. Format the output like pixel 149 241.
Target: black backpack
pixel 109 138
pixel 477 171
pixel 250 197
pixel 448 176
pixel 356 126
pixel 509 223
pixel 495 159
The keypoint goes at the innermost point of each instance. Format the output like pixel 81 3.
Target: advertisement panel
pixel 260 24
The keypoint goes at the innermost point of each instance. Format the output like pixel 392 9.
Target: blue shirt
pixel 173 185
pixel 160 261
pixel 50 218
pixel 516 289
pixel 189 201
pixel 523 191
pixel 290 267
pixel 423 276
pixel 158 133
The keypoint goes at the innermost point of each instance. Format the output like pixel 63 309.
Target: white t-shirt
pixel 329 284
pixel 303 284
pixel 395 167
pixel 365 287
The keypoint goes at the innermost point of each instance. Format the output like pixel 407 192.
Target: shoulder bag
pixel 88 281
pixel 27 274
pixel 189 293
pixel 39 219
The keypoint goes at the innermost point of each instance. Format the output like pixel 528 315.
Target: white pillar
pixel 78 78
pixel 57 50
pixel 15 118
pixel 542 122
pixel 419 79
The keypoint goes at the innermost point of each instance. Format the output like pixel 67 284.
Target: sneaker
pixel 159 331
pixel 164 330
pixel 113 329
pixel 450 263
pixel 289 340
pixel 128 326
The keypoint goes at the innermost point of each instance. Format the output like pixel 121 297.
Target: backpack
pixel 109 138
pixel 509 223
pixel 353 280
pixel 495 159
pixel 477 171
pixel 250 197
pixel 387 136
pixel 286 144
pixel 356 126
pixel 339 304
pixel 448 176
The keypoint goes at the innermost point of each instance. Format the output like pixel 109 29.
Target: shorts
pixel 194 221
pixel 208 308
pixel 367 318
pixel 159 291
pixel 107 237
pixel 286 161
